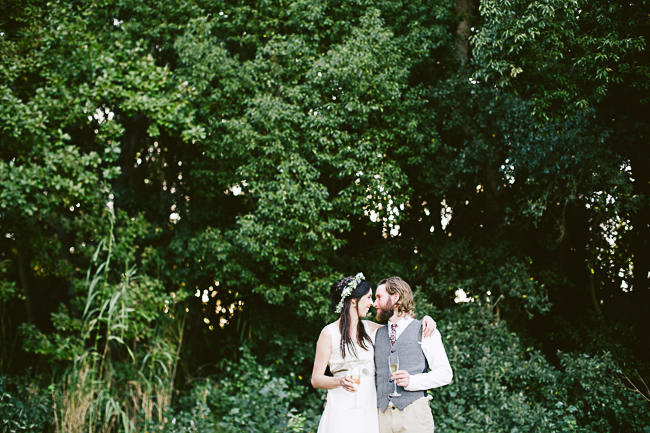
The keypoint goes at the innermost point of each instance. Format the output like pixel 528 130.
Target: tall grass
pixel 124 375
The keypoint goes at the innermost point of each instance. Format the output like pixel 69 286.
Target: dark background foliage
pixel 182 181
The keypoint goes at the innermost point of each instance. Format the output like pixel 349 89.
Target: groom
pixel 423 363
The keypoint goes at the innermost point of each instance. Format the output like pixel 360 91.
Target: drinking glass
pixel 393 364
pixel 355 375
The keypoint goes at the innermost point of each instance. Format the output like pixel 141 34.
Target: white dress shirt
pixel 440 372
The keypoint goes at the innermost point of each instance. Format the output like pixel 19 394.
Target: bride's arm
pixel 318 377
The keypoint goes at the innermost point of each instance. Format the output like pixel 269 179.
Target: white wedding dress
pixel 353 412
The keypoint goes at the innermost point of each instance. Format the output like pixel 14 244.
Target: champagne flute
pixel 355 375
pixel 393 364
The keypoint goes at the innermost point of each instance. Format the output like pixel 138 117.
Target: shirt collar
pixel 404 320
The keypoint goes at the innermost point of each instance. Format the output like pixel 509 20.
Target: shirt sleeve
pixel 440 373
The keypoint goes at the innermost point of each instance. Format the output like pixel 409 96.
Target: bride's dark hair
pixel 363 339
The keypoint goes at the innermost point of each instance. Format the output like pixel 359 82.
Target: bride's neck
pixel 353 320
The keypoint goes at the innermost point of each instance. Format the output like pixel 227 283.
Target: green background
pixel 181 181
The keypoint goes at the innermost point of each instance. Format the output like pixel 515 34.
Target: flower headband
pixel 348 290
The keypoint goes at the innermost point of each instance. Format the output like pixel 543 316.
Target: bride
pixel 346 345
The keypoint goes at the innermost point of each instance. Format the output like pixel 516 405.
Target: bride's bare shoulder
pixel 327 329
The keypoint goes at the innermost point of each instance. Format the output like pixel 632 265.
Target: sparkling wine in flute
pixel 355 376
pixel 393 364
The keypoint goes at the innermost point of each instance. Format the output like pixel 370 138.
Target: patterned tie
pixel 393 337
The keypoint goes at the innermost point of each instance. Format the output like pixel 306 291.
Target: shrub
pixel 501 385
pixel 24 407
pixel 249 397
pixel 602 402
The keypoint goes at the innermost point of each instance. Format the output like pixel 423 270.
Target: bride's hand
pixel 347 383
pixel 428 326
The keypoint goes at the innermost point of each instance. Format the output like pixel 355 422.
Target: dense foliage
pixel 181 181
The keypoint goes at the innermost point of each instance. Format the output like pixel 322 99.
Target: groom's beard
pixel 383 314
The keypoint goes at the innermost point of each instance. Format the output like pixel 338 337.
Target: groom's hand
pixel 428 326
pixel 401 378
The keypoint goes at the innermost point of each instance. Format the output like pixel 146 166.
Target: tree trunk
pixel 465 11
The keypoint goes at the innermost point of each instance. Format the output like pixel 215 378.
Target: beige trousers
pixel 415 418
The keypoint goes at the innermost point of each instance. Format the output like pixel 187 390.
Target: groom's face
pixel 384 303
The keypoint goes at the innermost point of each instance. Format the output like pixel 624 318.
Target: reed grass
pixel 121 379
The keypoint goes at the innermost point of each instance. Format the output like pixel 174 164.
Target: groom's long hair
pixel 397 285
pixel 363 339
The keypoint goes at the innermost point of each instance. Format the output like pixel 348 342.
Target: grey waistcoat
pixel 411 359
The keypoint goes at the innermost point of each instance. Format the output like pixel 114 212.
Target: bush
pixel 500 385
pixel 24 407
pixel 602 401
pixel 249 397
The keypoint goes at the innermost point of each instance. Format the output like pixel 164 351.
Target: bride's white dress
pixel 354 412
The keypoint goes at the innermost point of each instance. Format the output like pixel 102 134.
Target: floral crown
pixel 347 290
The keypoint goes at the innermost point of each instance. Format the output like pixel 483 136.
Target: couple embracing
pixel 381 373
